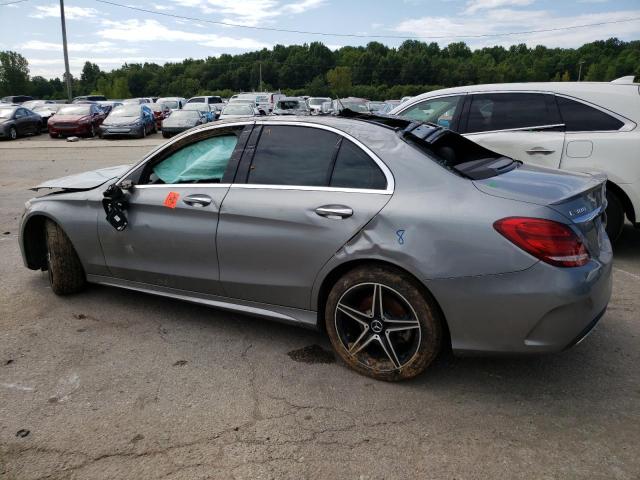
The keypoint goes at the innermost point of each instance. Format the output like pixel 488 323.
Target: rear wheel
pixel 615 216
pixel 13 133
pixel 66 274
pixel 381 324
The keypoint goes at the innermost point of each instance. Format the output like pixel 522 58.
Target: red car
pixel 160 111
pixel 76 119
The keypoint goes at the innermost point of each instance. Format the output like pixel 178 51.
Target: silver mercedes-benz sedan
pixel 397 238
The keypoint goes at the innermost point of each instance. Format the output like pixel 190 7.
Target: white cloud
pixel 251 13
pixel 70 12
pixel 153 31
pixel 163 8
pixel 97 47
pixel 495 22
pixel 475 5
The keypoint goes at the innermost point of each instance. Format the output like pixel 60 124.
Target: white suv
pixel 579 126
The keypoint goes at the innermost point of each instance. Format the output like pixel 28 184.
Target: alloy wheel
pixel 377 326
pixel 13 134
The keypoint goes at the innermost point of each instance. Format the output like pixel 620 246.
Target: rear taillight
pixel 552 242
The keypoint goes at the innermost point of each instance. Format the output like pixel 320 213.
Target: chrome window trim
pixel 182 185
pixel 628 124
pixel 520 129
pixel 385 170
pixel 258 186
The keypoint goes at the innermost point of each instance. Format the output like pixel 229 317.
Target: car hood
pixel 69 118
pixel 176 122
pixel 121 120
pixel 85 180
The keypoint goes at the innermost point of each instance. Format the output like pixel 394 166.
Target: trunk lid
pixel 579 197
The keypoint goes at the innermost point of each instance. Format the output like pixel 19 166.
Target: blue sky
pixel 110 35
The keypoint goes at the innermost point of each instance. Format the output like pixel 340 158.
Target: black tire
pixel 66 274
pixel 166 135
pixel 615 216
pixel 53 135
pixel 13 133
pixel 92 132
pixel 414 348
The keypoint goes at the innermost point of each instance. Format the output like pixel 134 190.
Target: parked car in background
pixel 17 99
pixel 174 103
pixel 326 108
pixel 405 99
pixel 161 111
pixel 239 110
pixel 46 111
pixel 108 105
pixel 575 126
pixel 358 105
pixel 375 107
pixel 137 101
pixel 258 100
pixel 388 106
pixel 204 109
pixel 76 119
pixel 129 120
pixel 291 106
pixel 396 239
pixel 17 121
pixel 273 99
pixel 207 99
pixel 315 104
pixel 92 98
pixel 181 120
pixel 32 104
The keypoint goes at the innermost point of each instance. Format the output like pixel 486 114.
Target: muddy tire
pixel 66 274
pixel 382 324
pixel 615 216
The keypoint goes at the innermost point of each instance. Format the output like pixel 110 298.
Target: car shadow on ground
pixel 564 375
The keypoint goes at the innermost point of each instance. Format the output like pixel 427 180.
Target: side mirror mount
pixel 115 204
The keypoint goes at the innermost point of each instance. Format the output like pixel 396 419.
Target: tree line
pixel 373 71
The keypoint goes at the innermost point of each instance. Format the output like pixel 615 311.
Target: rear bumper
pixel 539 310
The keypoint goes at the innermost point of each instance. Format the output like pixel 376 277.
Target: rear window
pixel 505 111
pixel 579 117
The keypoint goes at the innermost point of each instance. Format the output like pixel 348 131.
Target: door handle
pixel 197 200
pixel 540 150
pixel 334 211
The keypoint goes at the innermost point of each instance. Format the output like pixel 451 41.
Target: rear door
pixel 301 192
pixel 521 125
pixel 173 211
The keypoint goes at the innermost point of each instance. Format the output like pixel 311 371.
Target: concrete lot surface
pixel 112 384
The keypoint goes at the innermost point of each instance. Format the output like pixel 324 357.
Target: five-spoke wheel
pixel 382 324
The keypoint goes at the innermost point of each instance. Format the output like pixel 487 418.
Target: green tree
pixel 14 74
pixel 89 77
pixel 339 80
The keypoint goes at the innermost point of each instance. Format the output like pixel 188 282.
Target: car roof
pixel 621 98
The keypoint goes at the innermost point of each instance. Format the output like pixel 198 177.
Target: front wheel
pixel 13 133
pixel 66 274
pixel 615 216
pixel 382 324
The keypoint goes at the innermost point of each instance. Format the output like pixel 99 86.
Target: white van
pixel 578 126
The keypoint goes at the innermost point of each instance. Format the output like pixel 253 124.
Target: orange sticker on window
pixel 171 200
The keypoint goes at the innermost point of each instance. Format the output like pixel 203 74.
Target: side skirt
pixel 295 316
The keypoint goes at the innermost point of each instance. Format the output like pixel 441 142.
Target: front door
pixel 172 217
pixel 299 196
pixel 523 126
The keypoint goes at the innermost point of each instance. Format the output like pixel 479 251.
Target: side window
pixel 579 117
pixel 504 111
pixel 288 155
pixel 355 169
pixel 435 110
pixel 204 161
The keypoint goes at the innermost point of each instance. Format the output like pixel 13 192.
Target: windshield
pixel 262 99
pixel 184 114
pixel 171 103
pixel 75 110
pixel 238 109
pixel 242 100
pixel 126 111
pixel 6 112
pixel 288 105
pixel 157 107
pixel 316 102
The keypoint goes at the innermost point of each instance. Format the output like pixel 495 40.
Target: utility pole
pixel 580 69
pixel 67 75
pixel 260 64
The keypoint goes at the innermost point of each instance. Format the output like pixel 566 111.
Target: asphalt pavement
pixel 112 384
